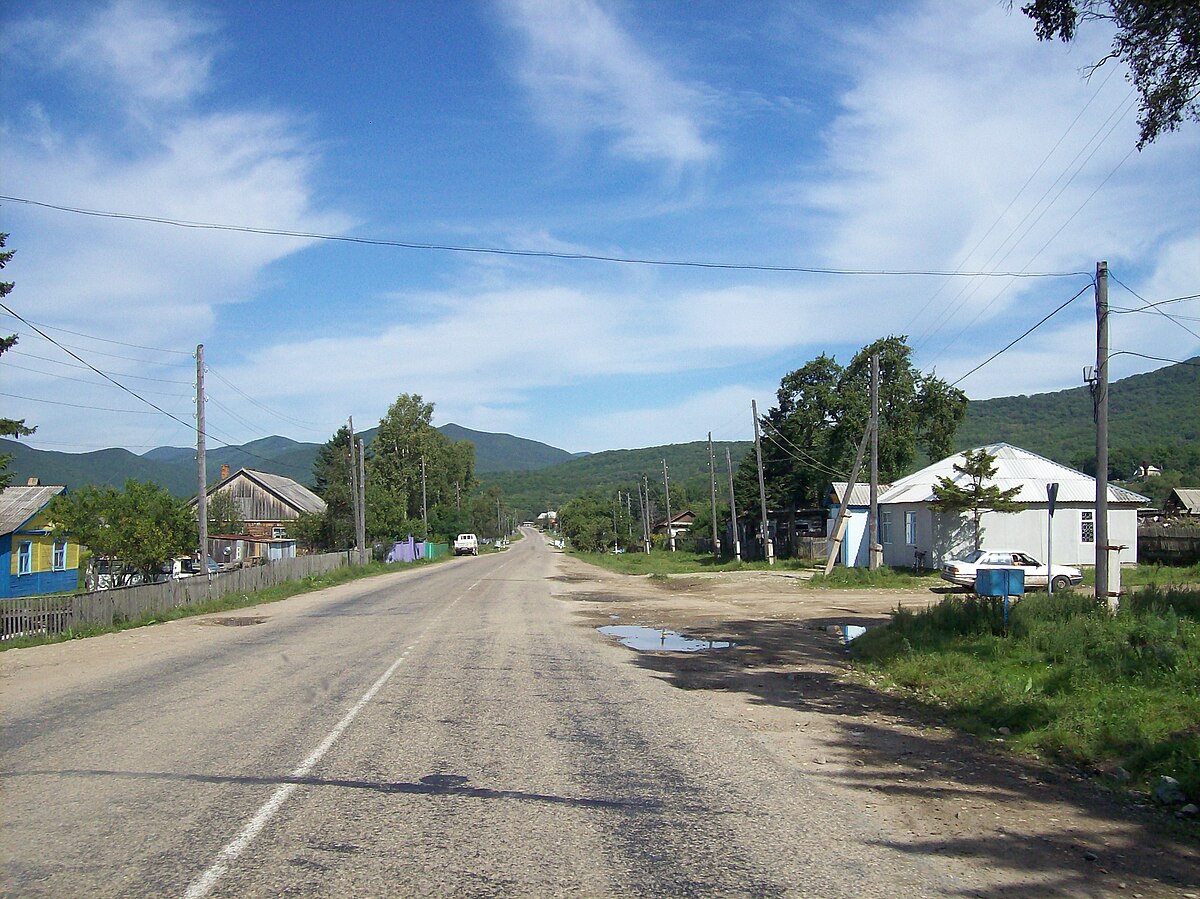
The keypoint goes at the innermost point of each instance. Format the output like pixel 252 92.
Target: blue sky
pixel 850 135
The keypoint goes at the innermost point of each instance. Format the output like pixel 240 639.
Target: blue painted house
pixel 31 560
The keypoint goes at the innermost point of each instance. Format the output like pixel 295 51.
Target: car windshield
pixel 974 556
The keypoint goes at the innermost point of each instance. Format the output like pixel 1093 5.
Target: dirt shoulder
pixel 1038 831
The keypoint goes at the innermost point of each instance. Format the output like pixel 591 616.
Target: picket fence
pixel 34 615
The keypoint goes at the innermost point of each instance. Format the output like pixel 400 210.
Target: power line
pixel 50 374
pixel 16 352
pixel 232 386
pixel 1155 358
pixel 135 346
pixel 1156 309
pixel 1149 306
pixel 1022 337
pixel 34 399
pixel 536 254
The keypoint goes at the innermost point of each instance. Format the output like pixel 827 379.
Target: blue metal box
pixel 1000 581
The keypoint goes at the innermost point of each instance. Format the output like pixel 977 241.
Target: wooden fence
pixel 55 614
pixel 1174 545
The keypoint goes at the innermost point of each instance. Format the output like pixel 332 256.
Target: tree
pixel 1158 39
pixel 142 525
pixel 812 435
pixel 225 514
pixel 954 498
pixel 9 427
pixel 587 522
pixel 331 477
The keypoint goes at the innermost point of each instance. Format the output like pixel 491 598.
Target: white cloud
pixel 585 74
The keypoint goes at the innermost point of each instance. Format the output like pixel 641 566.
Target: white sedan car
pixel 962 571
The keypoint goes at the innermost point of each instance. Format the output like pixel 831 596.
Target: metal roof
pixel 291 492
pixel 860 496
pixel 19 504
pixel 1015 467
pixel 1189 498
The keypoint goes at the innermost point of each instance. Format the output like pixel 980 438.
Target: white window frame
pixel 910 528
pixel 25 558
pixel 278 532
pixel 1087 520
pixel 59 559
pixel 885 526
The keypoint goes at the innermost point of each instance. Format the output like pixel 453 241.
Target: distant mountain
pixel 1154 417
pixel 174 467
pixel 548 488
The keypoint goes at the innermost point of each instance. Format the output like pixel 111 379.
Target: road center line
pixel 201 886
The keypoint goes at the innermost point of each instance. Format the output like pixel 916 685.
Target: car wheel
pixel 1061 582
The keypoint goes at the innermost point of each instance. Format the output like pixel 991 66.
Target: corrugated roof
pixel 294 494
pixel 1189 497
pixel 1015 467
pixel 19 504
pixel 860 496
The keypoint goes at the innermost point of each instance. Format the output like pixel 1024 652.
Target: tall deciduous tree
pixel 1158 39
pixel 974 494
pixel 142 525
pixel 224 514
pixel 331 477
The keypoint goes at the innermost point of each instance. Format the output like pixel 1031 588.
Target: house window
pixel 25 558
pixel 60 555
pixel 1087 527
pixel 278 532
pixel 885 526
pixel 910 528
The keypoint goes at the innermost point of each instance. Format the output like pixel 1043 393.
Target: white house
pixel 907 525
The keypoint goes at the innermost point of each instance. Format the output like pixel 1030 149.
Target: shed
pixel 1183 501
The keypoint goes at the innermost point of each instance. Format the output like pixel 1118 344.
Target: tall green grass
pixel 666 562
pixel 1070 681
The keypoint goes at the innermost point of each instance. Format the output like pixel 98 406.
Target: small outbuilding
pixel 1183 501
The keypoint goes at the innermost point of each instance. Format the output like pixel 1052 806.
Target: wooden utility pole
pixel 362 502
pixel 201 463
pixel 424 500
pixel 667 491
pixel 351 456
pixel 768 549
pixel 644 502
pixel 873 512
pixel 1103 594
pixel 839 525
pixel 737 537
pixel 712 483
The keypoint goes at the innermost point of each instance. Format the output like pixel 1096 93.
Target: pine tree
pixel 954 498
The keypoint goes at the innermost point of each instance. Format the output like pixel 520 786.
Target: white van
pixel 466 545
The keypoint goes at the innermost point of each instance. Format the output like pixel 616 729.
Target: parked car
pixel 962 571
pixel 466 545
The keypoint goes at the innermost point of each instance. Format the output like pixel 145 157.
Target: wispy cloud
pixel 584 73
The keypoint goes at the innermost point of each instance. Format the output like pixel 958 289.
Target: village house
pixel 268 503
pixel 911 532
pixel 32 561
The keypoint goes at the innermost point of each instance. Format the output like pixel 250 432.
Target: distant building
pixel 32 562
pixel 1183 501
pixel 680 524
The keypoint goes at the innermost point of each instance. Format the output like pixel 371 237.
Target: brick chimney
pixel 224 470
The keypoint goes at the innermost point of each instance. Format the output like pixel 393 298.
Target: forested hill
pixel 1153 418
pixel 612 470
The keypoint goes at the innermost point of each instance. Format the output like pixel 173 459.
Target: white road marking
pixel 203 884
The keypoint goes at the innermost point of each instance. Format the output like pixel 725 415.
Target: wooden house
pixel 32 562
pixel 268 502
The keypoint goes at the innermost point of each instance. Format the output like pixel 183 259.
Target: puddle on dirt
pixel 235 621
pixel 649 639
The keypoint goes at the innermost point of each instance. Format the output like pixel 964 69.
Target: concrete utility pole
pixel 712 483
pixel 667 490
pixel 737 537
pixel 1103 593
pixel 768 549
pixel 1051 498
pixel 644 502
pixel 362 502
pixel 201 463
pixel 351 457
pixel 873 513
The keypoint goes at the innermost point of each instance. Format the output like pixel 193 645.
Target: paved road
pixel 446 731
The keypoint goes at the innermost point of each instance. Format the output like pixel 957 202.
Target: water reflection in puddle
pixel 650 638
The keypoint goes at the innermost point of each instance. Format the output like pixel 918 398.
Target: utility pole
pixel 362 502
pixel 354 481
pixel 1101 397
pixel 737 537
pixel 768 549
pixel 424 500
pixel 667 490
pixel 873 512
pixel 644 502
pixel 499 524
pixel 712 483
pixel 201 463
pixel 457 497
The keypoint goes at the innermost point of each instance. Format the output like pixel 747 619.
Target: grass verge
pixel 1152 575
pixel 664 563
pixel 225 603
pixel 1068 681
pixel 883 577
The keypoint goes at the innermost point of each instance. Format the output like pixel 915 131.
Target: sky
pixel 905 137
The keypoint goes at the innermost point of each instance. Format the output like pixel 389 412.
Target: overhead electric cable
pixel 537 254
pixel 50 374
pixel 1188 363
pixel 232 386
pixel 1151 306
pixel 1155 309
pixel 1022 337
pixel 135 346
pixel 15 352
pixel 35 399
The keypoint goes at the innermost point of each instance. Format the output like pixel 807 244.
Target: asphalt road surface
pixel 444 731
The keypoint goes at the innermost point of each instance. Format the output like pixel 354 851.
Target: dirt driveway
pixel 933 790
